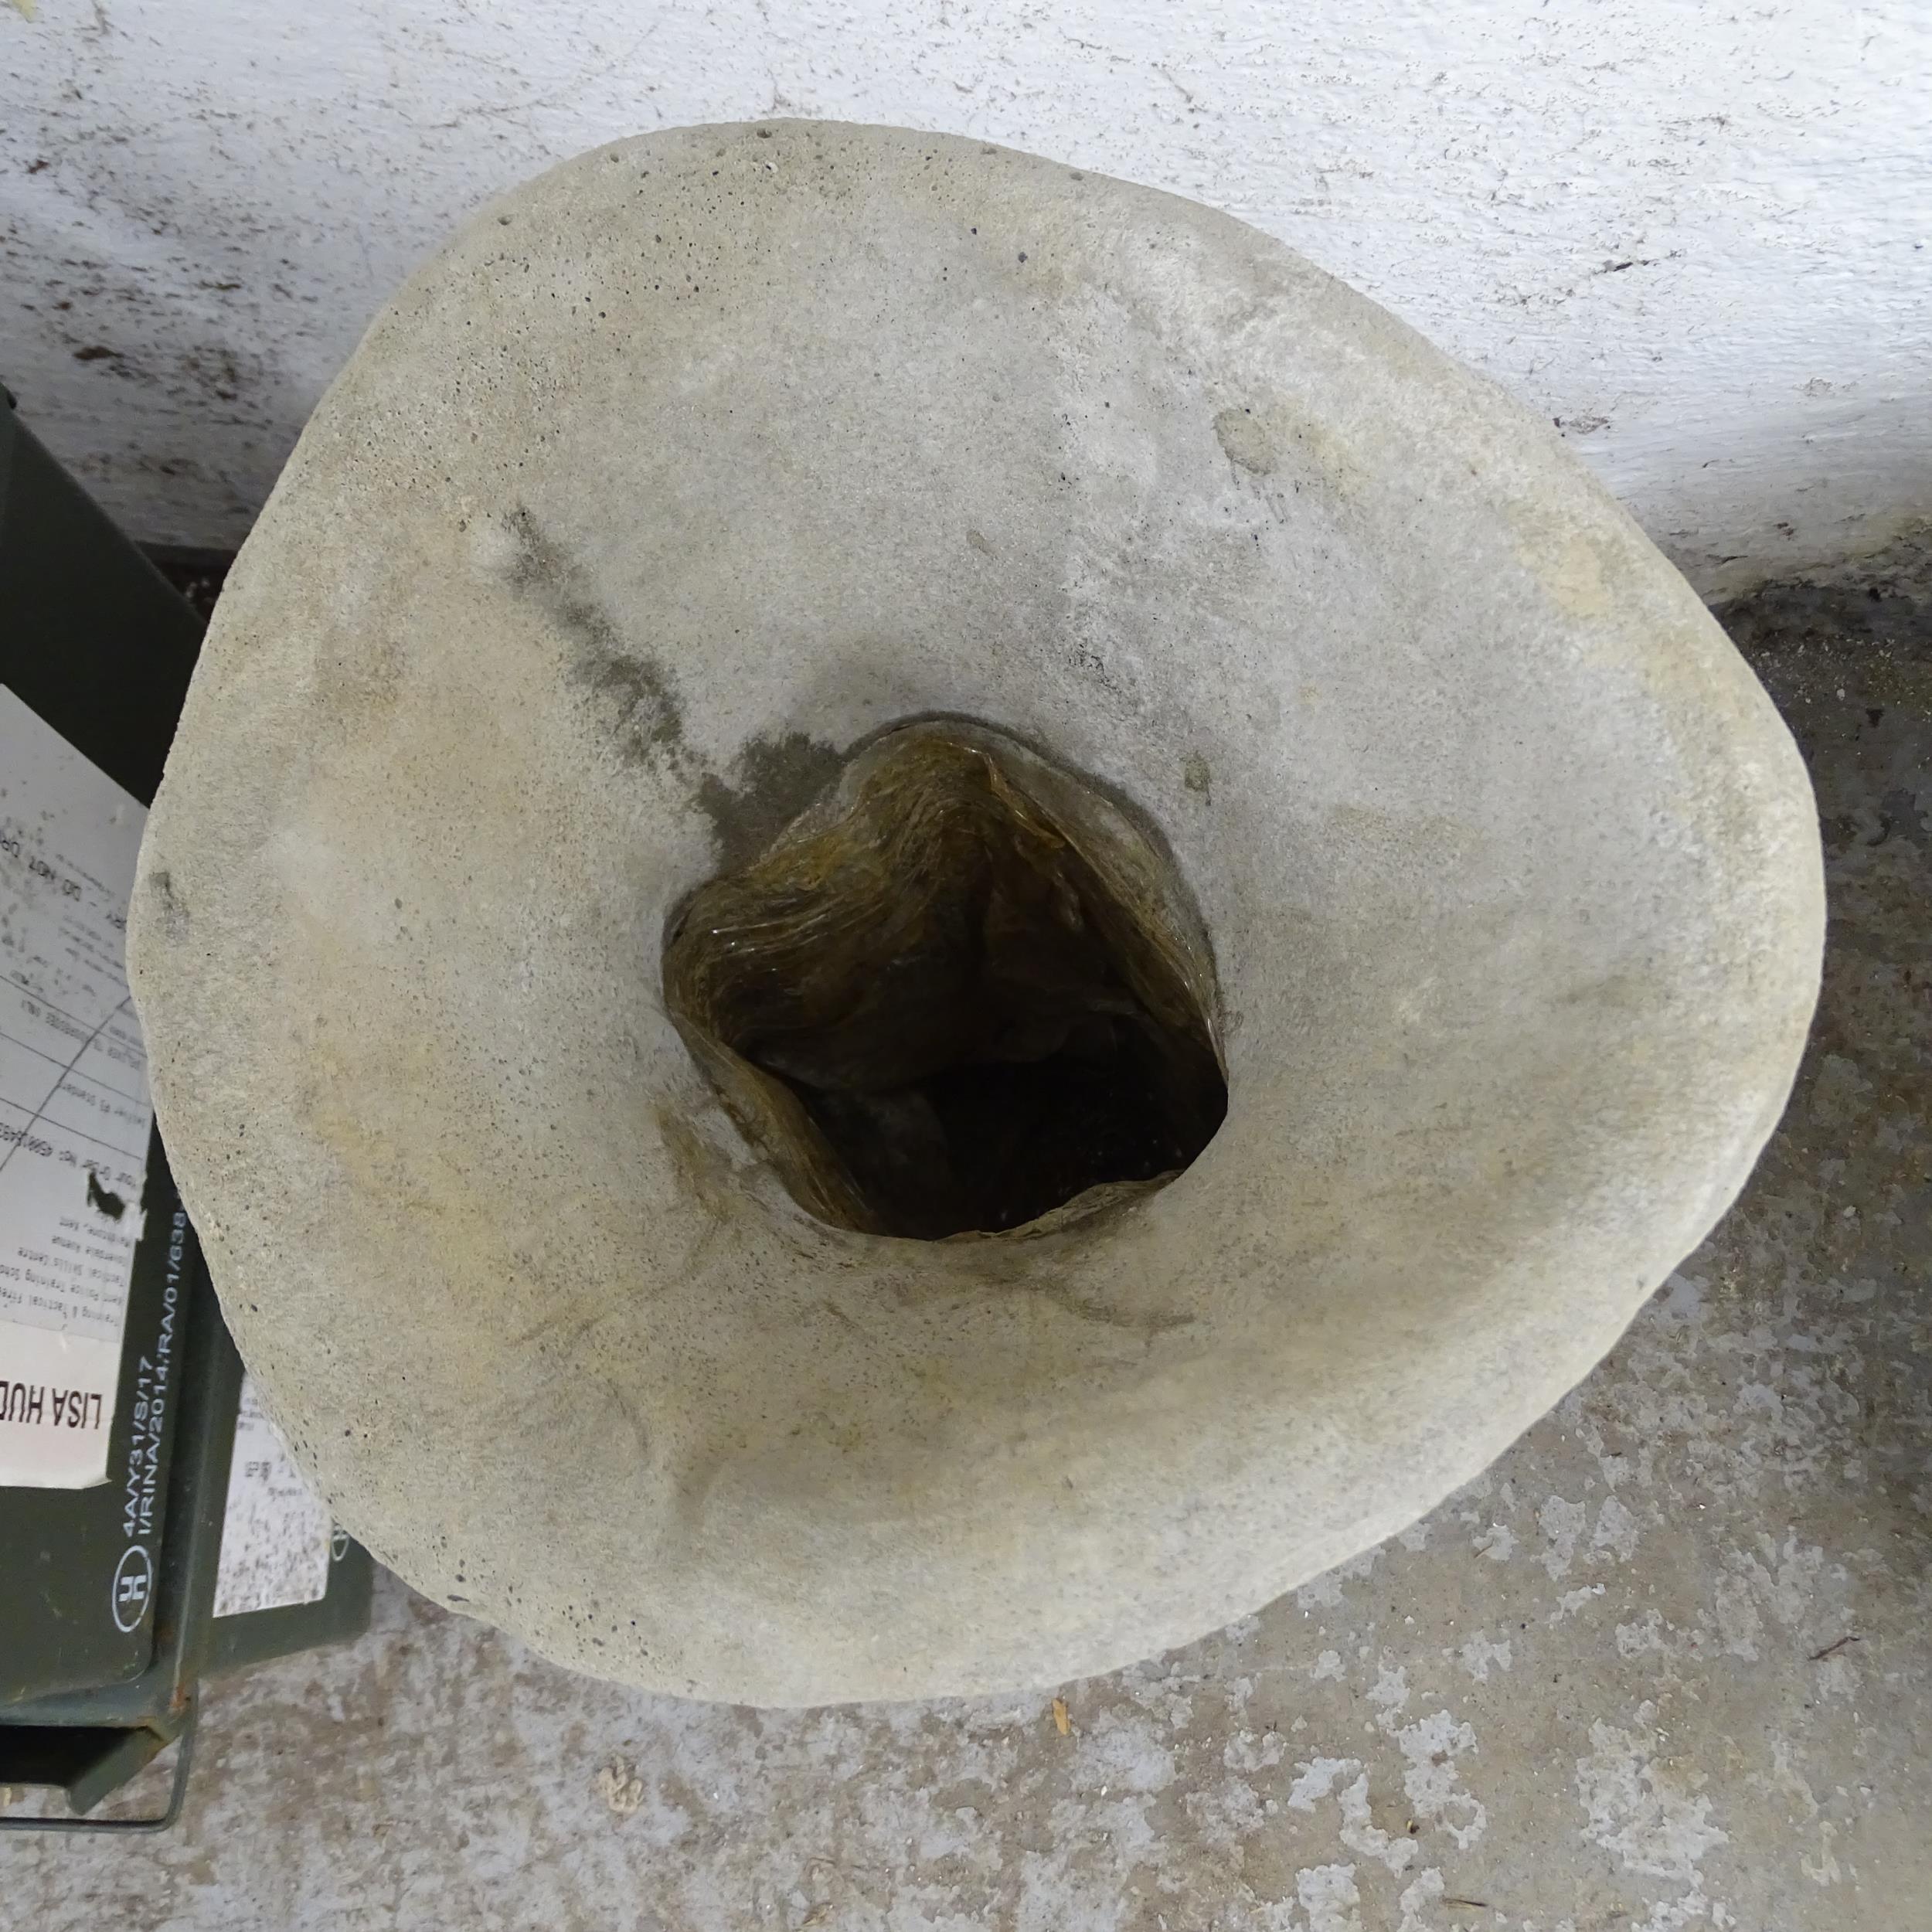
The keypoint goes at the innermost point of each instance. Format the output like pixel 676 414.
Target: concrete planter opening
pixel 920 921
pixel 961 992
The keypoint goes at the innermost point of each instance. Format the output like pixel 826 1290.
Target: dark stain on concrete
pixel 776 778
pixel 168 902
pixel 1864 627
pixel 638 704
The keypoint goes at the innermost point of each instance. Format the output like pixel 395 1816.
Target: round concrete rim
pixel 1125 1509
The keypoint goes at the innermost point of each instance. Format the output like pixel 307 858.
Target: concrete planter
pixel 684 470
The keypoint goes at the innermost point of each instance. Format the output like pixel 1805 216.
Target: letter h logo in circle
pixel 133 1579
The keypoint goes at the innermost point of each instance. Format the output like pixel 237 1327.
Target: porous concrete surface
pixel 688 466
pixel 1666 1664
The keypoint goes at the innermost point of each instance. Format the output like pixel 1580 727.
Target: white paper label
pixel 275 1536
pixel 74 1110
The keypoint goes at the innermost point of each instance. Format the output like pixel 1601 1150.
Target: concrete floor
pixel 1668 1663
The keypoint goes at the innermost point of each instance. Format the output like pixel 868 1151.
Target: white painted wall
pixel 1700 235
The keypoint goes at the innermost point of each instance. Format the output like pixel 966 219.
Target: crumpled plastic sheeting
pixel 961 990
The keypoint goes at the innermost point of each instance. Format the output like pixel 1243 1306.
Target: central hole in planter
pixel 962 990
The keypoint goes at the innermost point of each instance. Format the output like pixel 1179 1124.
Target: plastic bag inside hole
pixel 961 991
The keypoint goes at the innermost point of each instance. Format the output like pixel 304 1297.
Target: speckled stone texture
pixel 1666 1665
pixel 685 467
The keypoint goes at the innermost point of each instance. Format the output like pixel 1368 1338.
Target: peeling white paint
pixel 1562 1523
pixel 1246 1751
pixel 1696 237
pixel 1645 1634
pixel 1360 1834
pixel 1638 1810
pixel 1617 1529
pixel 1497 1542
pixel 1420 1899
pixel 1572 1601
pixel 1328 1897
pixel 1432 1744
pixel 1317 1778
pixel 1480 1651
